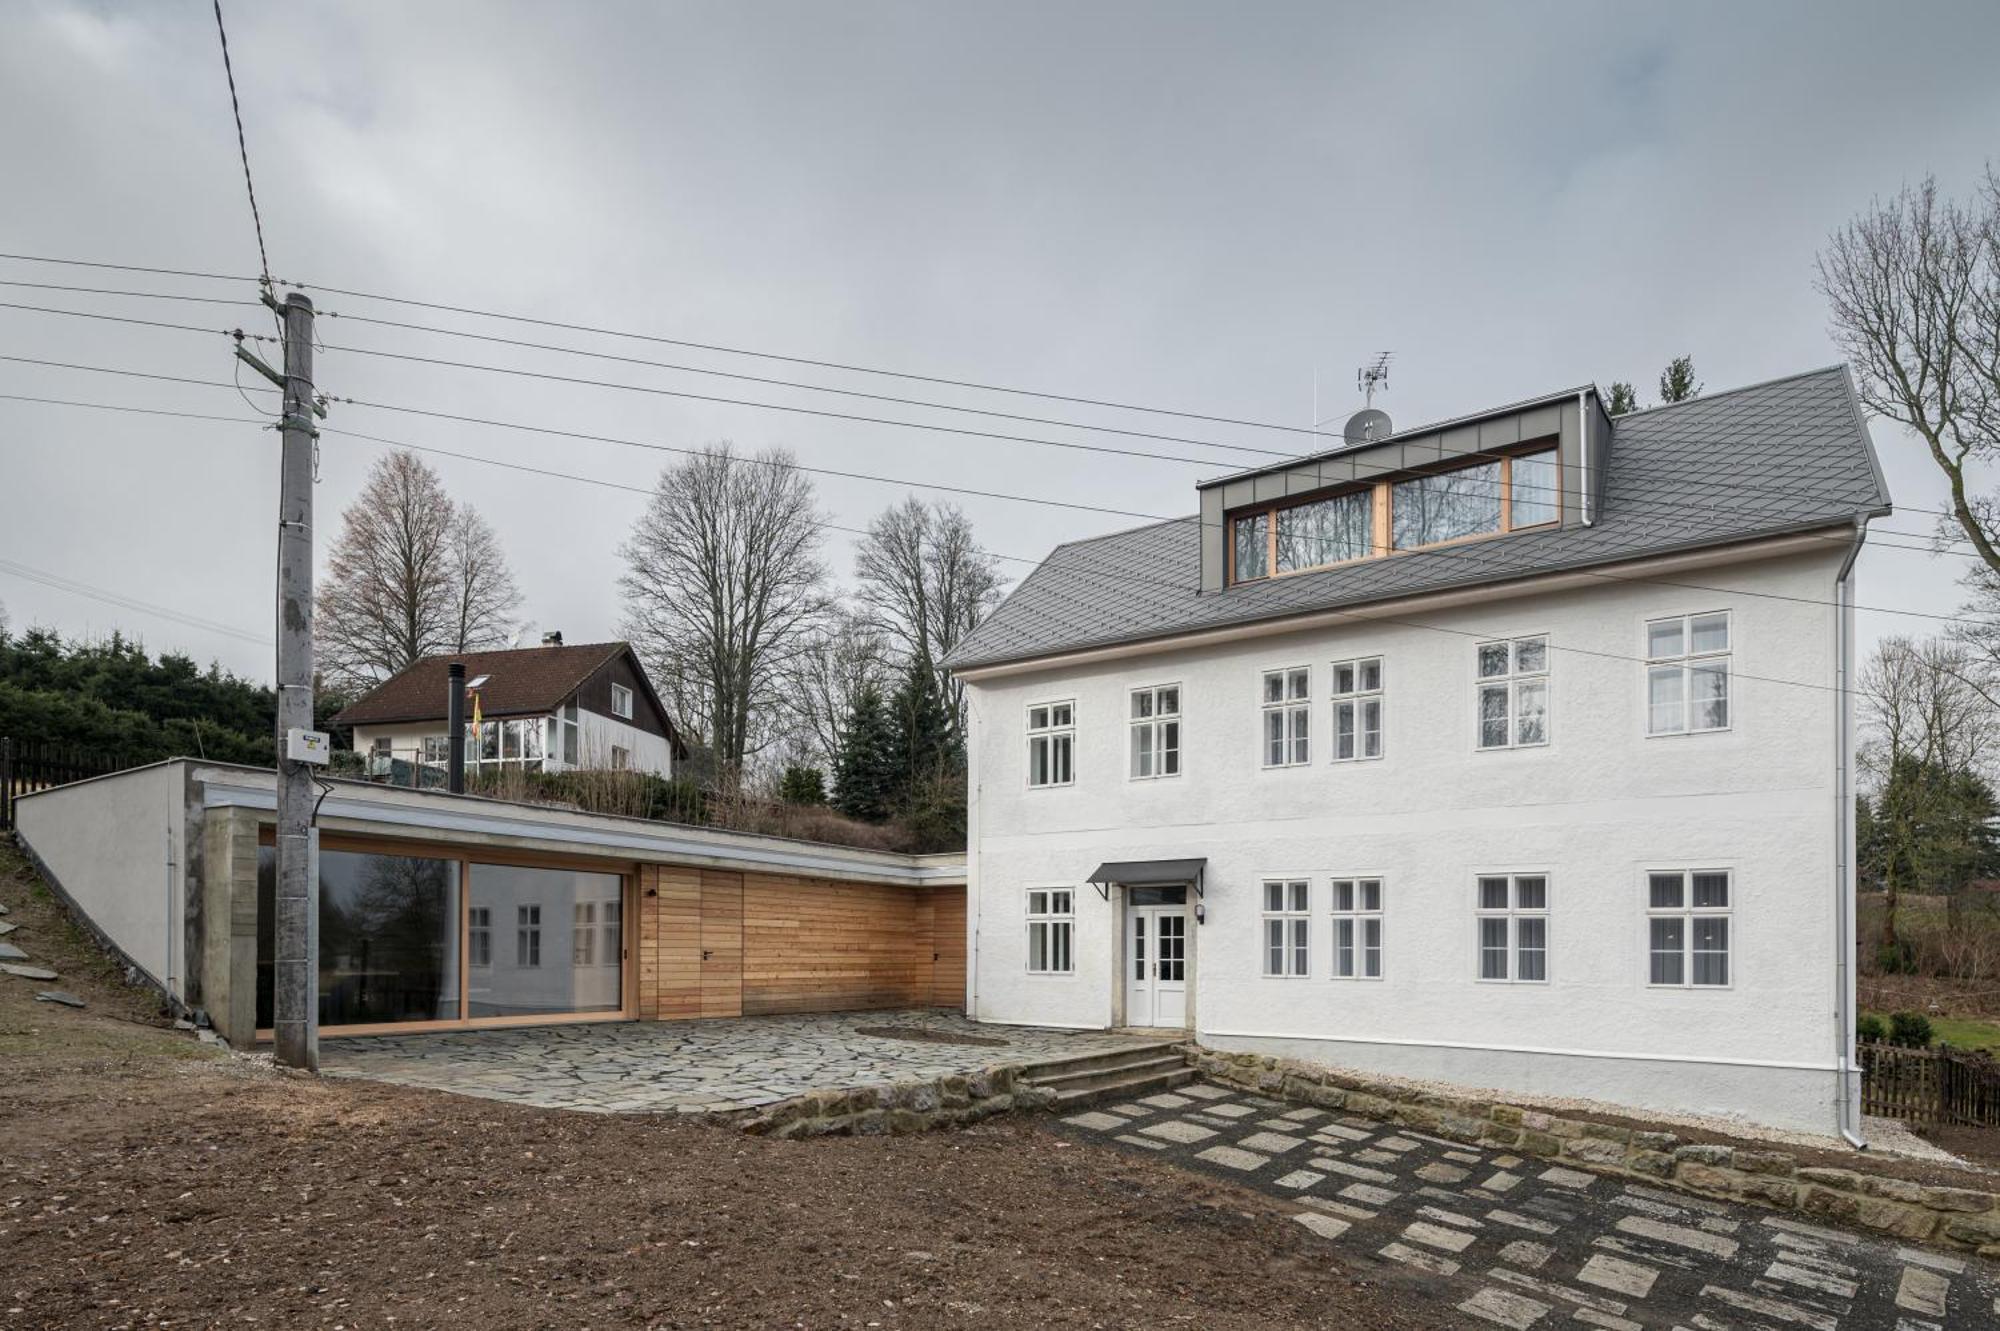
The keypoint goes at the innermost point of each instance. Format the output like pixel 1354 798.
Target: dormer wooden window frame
pixel 1381 511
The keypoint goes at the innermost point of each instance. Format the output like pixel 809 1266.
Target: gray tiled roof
pixel 1785 456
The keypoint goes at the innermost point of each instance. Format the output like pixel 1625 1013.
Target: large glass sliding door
pixel 394 928
pixel 544 941
pixel 388 937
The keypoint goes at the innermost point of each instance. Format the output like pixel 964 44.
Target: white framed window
pixel 621 701
pixel 527 935
pixel 1287 717
pixel 479 935
pixel 1357 709
pixel 1156 732
pixel 1513 927
pixel 1687 928
pixel 1513 688
pixel 1287 927
pixel 583 935
pixel 1357 928
pixel 1687 674
pixel 1052 744
pixel 621 758
pixel 1051 930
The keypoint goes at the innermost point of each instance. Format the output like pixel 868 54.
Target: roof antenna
pixel 1373 375
pixel 1368 424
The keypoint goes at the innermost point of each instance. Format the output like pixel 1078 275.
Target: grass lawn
pixel 1960 1032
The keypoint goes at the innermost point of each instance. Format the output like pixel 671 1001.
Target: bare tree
pixel 411 574
pixel 724 585
pixel 484 597
pixel 1925 717
pixel 1919 700
pixel 926 583
pixel 1913 286
pixel 843 655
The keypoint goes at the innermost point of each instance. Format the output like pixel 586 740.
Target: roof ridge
pixel 1836 368
pixel 1113 535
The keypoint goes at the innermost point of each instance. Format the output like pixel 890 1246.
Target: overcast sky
pixel 1188 206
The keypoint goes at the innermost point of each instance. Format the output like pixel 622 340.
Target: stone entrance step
pixel 1142 1069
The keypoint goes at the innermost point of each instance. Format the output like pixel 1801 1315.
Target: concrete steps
pixel 1119 1074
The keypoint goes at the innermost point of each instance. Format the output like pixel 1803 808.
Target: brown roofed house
pixel 550 708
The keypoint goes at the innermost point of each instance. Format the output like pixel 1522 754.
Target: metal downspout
pixel 1843 843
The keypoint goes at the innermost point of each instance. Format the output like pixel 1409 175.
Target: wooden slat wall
pixel 828 947
pixel 948 944
pixel 721 944
pixel 669 943
pixel 776 944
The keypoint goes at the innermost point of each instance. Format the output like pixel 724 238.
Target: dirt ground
pixel 146 1181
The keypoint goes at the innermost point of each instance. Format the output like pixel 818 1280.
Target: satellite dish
pixel 1366 426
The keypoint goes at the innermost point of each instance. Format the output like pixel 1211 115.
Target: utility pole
pixel 295 989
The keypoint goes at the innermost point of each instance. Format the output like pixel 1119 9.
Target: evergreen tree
pixel 1622 399
pixel 867 776
pixel 1677 381
pixel 801 784
pixel 926 740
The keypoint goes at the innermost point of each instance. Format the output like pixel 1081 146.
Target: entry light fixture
pixel 1201 912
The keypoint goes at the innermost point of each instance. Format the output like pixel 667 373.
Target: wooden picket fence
pixel 1940 1085
pixel 27 766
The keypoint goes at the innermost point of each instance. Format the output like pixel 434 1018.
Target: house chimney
pixel 553 638
pixel 454 719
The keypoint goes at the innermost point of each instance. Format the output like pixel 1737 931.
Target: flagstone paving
pixel 696 1066
pixel 1516 1243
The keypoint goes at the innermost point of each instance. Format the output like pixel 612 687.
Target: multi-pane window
pixel 621 701
pixel 621 758
pixel 479 935
pixel 1251 536
pixel 1687 674
pixel 1156 732
pixel 1287 927
pixel 1357 928
pixel 1287 717
pixel 1687 927
pixel 569 723
pixel 1513 924
pixel 1052 744
pixel 1532 497
pixel 1513 693
pixel 583 935
pixel 1447 506
pixel 527 935
pixel 1357 709
pixel 1325 531
pixel 1051 926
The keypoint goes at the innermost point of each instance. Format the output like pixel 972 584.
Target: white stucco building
pixel 1513 752
pixel 550 708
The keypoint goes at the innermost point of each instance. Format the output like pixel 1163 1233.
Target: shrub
pixel 1910 1029
pixel 1870 1027
pixel 1898 958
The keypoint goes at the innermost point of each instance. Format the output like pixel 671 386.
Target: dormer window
pixel 1486 498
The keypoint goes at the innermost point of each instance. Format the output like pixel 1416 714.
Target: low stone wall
pixel 904 1107
pixel 1961 1218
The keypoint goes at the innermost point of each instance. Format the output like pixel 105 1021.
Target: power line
pixel 123 601
pixel 871 477
pixel 243 148
pixel 137 295
pixel 1023 559
pixel 1471 455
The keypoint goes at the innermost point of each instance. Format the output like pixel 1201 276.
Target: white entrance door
pixel 1156 966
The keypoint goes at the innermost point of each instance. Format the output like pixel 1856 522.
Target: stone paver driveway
pixel 1521 1243
pixel 697 1066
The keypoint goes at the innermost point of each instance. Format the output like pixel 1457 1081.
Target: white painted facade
pixel 600 740
pixel 1594 809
